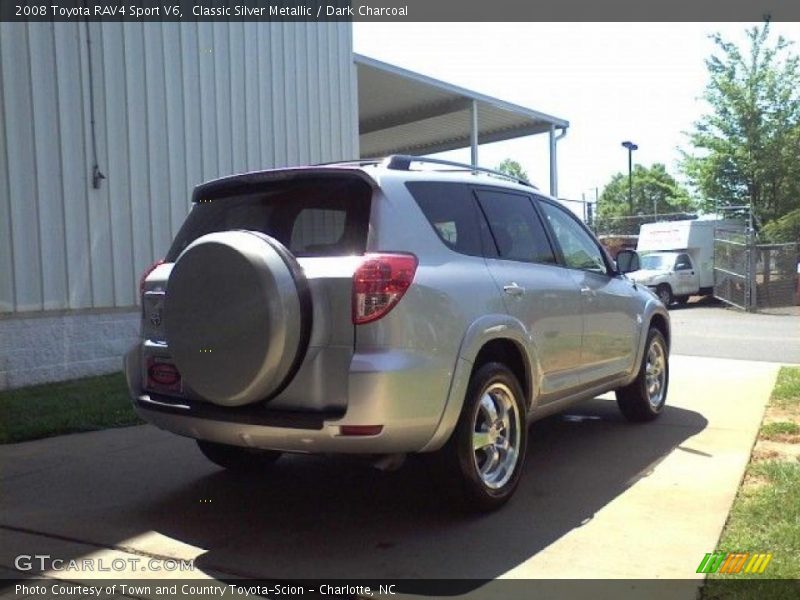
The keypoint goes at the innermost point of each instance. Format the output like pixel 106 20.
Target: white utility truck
pixel 677 258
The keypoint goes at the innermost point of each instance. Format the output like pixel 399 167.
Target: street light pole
pixel 631 147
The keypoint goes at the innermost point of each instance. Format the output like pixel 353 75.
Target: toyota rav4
pixel 389 307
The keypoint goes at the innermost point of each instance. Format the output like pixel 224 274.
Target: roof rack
pixel 402 162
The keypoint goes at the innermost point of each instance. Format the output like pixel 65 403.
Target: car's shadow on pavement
pixel 335 518
pixel 696 303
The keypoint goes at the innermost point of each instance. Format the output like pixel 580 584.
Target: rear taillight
pixel 147 272
pixel 379 283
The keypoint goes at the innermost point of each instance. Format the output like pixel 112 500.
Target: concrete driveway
pixel 598 495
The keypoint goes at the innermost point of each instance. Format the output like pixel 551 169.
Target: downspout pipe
pixel 473 133
pixel 97 175
pixel 553 159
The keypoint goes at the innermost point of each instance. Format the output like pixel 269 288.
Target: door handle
pixel 513 289
pixel 587 291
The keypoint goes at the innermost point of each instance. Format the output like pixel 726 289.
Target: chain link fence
pixel 732 267
pixel 630 225
pixel 751 276
pixel 776 274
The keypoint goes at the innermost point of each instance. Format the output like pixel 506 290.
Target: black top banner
pixel 400 10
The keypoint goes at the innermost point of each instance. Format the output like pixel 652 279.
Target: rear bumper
pixel 398 390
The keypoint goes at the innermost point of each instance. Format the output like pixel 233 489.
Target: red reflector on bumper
pixel 360 429
pixel 163 376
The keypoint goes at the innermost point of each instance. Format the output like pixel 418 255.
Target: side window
pixel 515 227
pixel 579 249
pixel 683 263
pixel 450 209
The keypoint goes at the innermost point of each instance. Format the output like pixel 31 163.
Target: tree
pixel 654 191
pixel 746 150
pixel 783 229
pixel 513 168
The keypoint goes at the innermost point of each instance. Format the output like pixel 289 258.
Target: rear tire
pixel 486 452
pixel 664 293
pixel 644 399
pixel 237 458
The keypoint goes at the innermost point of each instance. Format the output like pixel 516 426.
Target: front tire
pixel 237 458
pixel 664 293
pixel 644 399
pixel 486 452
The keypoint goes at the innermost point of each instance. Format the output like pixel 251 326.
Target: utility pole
pixel 631 147
pixel 751 260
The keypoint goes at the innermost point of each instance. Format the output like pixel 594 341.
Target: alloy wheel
pixel 496 435
pixel 655 373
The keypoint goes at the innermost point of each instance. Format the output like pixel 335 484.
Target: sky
pixel 612 81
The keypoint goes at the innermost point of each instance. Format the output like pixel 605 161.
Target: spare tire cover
pixel 234 316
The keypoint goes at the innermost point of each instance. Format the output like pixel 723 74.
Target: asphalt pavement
pixel 708 328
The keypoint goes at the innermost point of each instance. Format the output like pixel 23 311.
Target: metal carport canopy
pixel 402 112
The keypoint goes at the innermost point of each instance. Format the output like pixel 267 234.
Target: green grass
pixel 787 389
pixel 766 518
pixel 773 430
pixel 69 407
pixel 766 513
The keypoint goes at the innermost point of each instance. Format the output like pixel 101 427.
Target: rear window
pixel 451 210
pixel 318 217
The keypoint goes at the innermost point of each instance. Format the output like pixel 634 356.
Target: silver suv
pixel 384 308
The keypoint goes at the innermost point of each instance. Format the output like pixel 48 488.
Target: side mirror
pixel 627 261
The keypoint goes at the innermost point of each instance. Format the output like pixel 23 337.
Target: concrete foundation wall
pixel 39 349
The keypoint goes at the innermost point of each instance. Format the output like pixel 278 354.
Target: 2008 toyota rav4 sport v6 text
pixel 384 308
